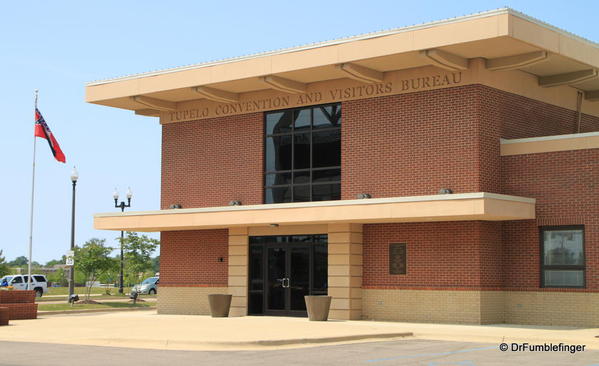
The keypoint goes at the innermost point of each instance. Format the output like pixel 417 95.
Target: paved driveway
pixel 403 352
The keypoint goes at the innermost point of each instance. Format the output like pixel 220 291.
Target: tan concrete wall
pixel 552 308
pixel 345 270
pixel 238 270
pixel 482 307
pixel 492 307
pixel 186 300
pixel 422 306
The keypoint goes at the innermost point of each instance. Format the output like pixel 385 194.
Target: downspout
pixel 579 96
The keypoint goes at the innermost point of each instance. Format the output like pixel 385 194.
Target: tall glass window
pixel 303 154
pixel 562 257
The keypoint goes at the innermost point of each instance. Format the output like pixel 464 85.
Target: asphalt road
pixel 403 352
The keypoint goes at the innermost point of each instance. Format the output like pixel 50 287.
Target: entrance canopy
pixel 447 207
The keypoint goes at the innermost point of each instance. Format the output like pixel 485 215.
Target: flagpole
pixel 32 200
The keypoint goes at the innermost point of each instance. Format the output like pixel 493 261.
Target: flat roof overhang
pixel 448 207
pixel 504 39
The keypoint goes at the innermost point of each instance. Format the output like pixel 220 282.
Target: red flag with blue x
pixel 42 130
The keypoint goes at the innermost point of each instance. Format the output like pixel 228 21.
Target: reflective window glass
pixel 327 116
pixel 278 179
pixel 278 122
pixel 278 194
pixel 278 153
pixel 326 192
pixel 301 119
pixel 301 193
pixel 329 175
pixel 300 145
pixel 562 259
pixel 326 148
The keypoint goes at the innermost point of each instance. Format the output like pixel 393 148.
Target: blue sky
pixel 58 46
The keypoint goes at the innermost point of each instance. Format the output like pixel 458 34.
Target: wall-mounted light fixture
pixel 363 196
pixel 175 206
pixel 235 203
pixel 274 225
pixel 221 259
pixel 445 191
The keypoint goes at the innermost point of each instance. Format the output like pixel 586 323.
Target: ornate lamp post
pixel 122 206
pixel 74 178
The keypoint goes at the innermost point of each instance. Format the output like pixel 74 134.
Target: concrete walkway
pixel 146 329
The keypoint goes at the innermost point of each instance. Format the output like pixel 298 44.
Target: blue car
pixel 149 286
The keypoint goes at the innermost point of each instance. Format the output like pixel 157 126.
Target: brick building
pixel 446 172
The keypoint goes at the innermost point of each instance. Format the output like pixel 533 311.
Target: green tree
pixel 138 252
pixel 4 269
pixel 156 264
pixel 59 276
pixel 54 262
pixel 18 261
pixel 93 260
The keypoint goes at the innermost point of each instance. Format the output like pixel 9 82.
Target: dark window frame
pixel 543 267
pixel 311 130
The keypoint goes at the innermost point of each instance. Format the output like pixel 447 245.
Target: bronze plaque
pixel 397 258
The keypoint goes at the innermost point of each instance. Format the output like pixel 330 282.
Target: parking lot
pixel 401 352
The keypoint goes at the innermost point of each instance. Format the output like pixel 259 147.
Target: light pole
pixel 122 206
pixel 74 178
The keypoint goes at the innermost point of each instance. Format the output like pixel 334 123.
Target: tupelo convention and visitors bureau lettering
pixel 326 95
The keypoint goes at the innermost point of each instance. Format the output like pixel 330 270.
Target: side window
pixel 17 279
pixel 562 256
pixel 39 278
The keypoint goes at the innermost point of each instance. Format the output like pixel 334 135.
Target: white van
pixel 39 283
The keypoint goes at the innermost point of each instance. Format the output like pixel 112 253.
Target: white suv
pixel 19 282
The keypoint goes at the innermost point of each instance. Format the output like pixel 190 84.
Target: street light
pixel 122 206
pixel 74 178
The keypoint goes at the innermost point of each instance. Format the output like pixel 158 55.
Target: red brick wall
pixel 521 117
pixel 211 162
pixel 566 186
pixel 401 145
pixel 190 258
pixel 439 255
pixel 411 144
pixel 524 117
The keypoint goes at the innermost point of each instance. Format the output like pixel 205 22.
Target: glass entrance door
pixel 284 269
pixel 277 278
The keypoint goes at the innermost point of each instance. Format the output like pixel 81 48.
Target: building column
pixel 238 270
pixel 345 271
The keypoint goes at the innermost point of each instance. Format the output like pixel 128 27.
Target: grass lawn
pixel 82 296
pixel 78 290
pixel 106 305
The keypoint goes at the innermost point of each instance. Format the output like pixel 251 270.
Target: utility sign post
pixel 70 258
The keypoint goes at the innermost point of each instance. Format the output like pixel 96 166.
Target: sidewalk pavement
pixel 146 329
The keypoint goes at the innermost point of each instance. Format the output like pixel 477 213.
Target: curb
pixel 286 342
pixel 244 345
pixel 63 312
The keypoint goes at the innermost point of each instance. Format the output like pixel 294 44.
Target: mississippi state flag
pixel 42 130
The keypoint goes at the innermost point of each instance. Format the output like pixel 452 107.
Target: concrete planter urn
pixel 219 305
pixel 318 307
